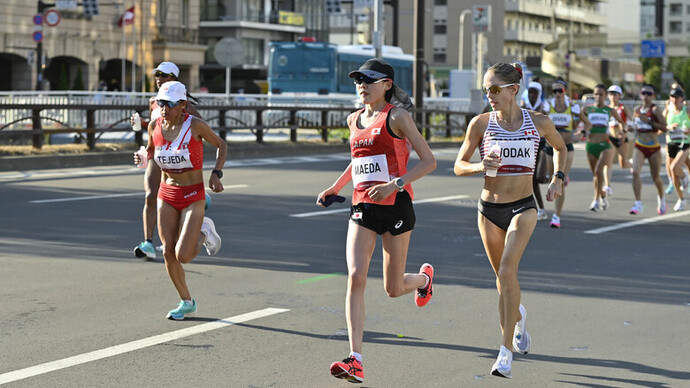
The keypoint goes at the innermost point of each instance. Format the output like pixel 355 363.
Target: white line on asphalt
pixel 637 222
pixel 134 345
pixel 323 212
pixel 90 197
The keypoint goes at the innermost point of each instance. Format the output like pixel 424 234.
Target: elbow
pixel 432 165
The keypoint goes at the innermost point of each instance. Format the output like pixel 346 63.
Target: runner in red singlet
pixel 381 135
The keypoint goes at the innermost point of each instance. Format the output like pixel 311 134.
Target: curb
pixel 40 162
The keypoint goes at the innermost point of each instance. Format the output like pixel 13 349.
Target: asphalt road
pixel 608 300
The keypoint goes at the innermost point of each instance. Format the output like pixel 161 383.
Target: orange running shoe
pixel 349 369
pixel 423 295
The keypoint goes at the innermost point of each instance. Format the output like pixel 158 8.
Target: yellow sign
pixel 291 18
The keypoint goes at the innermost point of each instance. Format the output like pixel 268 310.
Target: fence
pixel 91 115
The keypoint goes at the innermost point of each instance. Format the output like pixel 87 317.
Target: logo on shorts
pixel 399 224
pixel 190 195
pixel 376 131
pixel 357 215
pixel 518 210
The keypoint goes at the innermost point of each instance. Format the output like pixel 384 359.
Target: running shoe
pixel 423 295
pixel 349 369
pixel 213 241
pixel 503 365
pixel 594 206
pixel 661 205
pixel 555 221
pixel 184 309
pixel 637 208
pixel 542 215
pixel 522 342
pixel 669 188
pixel 145 249
pixel 680 204
pixel 608 190
pixel 604 204
pixel 160 248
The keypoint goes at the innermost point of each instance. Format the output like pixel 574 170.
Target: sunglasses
pixel 169 104
pixel 646 93
pixel 495 89
pixel 557 90
pixel 161 74
pixel 368 80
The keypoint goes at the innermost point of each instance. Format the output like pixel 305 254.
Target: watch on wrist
pixel 218 172
pixel 560 175
pixel 399 183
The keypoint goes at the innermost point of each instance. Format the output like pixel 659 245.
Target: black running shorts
pixel 396 219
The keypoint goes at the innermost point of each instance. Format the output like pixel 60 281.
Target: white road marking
pixel 90 197
pixel 428 200
pixel 637 222
pixel 134 345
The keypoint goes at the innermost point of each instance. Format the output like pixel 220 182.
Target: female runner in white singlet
pixel 380 138
pixel 507 211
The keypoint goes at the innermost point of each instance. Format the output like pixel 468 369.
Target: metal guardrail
pixel 98 119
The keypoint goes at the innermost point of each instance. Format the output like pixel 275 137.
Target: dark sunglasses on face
pixel 557 90
pixel 169 104
pixel 647 93
pixel 495 89
pixel 368 80
pixel 161 74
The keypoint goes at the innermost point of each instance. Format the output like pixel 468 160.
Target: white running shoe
pixel 542 215
pixel 555 221
pixel 503 365
pixel 680 204
pixel 594 206
pixel 637 208
pixel 661 205
pixel 522 342
pixel 608 190
pixel 213 241
pixel 604 204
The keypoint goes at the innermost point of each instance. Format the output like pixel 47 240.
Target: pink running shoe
pixel 423 295
pixel 349 369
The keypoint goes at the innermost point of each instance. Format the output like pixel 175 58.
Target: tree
pixel 63 81
pixel 78 81
pixel 652 76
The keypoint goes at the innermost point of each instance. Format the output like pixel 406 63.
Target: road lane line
pixel 637 222
pixel 90 197
pixel 320 277
pixel 416 202
pixel 134 345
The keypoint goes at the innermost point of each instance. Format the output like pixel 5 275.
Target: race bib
pixel 369 170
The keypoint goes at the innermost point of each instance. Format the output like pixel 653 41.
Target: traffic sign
pixel 53 17
pixel 38 19
pixel 65 4
pixel 481 18
pixel 229 52
pixel 37 36
pixel 653 48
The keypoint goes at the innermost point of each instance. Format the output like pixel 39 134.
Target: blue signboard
pixel 653 48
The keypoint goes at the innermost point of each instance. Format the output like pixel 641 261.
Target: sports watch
pixel 400 184
pixel 560 175
pixel 218 172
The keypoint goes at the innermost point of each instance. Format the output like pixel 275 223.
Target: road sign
pixel 229 52
pixel 653 48
pixel 37 36
pixel 481 18
pixel 38 19
pixel 53 17
pixel 65 4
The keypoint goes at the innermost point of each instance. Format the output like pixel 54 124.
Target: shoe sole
pixel 340 373
pixel 216 235
pixel 141 254
pixel 421 302
pixel 529 346
pixel 495 372
pixel 187 315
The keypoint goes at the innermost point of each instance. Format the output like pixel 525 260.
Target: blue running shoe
pixel 669 188
pixel 145 250
pixel 184 309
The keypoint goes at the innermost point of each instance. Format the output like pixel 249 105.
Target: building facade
pixel 94 52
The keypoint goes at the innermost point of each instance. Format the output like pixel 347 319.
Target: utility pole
pixel 418 86
pixel 39 47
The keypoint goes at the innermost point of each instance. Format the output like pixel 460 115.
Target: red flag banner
pixel 127 18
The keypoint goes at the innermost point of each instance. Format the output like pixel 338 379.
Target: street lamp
pixel 461 47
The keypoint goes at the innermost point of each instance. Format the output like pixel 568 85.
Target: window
pixel 253 51
pixel 439 29
pixel 675 27
pixel 675 9
pixel 185 13
pixel 440 2
pixel 439 58
pixel 161 13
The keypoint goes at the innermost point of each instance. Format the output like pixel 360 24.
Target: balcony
pixel 544 9
pixel 176 35
pixel 283 21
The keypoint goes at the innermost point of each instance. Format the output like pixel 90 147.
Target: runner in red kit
pixel 381 137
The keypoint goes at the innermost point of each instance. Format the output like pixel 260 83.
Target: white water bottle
pixel 495 149
pixel 143 157
pixel 137 122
